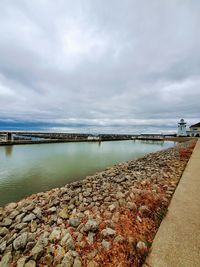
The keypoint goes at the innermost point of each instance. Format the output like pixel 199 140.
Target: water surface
pixel 27 169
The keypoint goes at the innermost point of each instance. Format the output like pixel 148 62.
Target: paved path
pixel 177 242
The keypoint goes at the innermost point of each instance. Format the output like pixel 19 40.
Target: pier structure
pixel 18 138
pixel 153 137
pixel 9 137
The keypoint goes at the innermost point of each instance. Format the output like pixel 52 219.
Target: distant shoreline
pixel 73 137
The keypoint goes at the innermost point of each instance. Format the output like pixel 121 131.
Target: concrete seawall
pixel 48 141
pixel 23 138
pixel 102 139
pixel 177 242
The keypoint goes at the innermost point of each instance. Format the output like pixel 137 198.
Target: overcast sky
pixel 98 62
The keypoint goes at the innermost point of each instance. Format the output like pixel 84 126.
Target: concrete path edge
pixel 177 242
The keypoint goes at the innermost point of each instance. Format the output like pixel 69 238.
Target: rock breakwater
pixel 108 219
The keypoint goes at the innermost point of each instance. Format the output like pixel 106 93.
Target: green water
pixel 27 169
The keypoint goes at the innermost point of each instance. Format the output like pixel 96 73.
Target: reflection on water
pixel 161 143
pixel 27 169
pixel 8 150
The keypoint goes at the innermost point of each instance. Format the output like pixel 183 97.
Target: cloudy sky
pixel 99 63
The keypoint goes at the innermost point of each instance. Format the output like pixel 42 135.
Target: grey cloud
pixel 102 63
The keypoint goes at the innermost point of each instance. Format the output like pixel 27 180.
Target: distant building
pixel 93 138
pixel 182 128
pixel 194 130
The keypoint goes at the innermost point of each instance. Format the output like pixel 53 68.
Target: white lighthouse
pixel 182 128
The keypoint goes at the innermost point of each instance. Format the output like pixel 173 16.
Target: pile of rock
pixel 81 224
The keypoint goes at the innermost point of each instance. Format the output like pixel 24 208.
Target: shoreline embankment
pixel 108 219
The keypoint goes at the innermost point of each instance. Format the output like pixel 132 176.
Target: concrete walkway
pixel 177 242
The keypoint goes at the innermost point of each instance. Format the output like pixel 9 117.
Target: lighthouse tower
pixel 182 128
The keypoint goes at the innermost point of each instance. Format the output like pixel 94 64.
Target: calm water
pixel 27 169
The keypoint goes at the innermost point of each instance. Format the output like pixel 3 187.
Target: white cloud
pixel 5 91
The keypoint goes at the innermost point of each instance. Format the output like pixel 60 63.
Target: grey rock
pixel 1 211
pixel 55 235
pixel 20 226
pixel 90 238
pixel 77 263
pixel 144 211
pixel 30 263
pixel 122 202
pixel 11 206
pixel 115 217
pixel 86 193
pixel 141 247
pixel 19 217
pixel 21 262
pixel 93 264
pixel 6 260
pixel 26 229
pixel 9 248
pixel 47 260
pixel 95 198
pixel 119 195
pixel 119 239
pixel 70 244
pixel 105 244
pixel 31 237
pixel 30 207
pixel 92 254
pixel 53 219
pixel 91 226
pixel 58 255
pixel 56 202
pixel 43 241
pixel 29 246
pixel 29 217
pixel 64 213
pixel 4 231
pixel 67 241
pixel 74 222
pixel 51 210
pixel 37 251
pixel 71 207
pixel 6 222
pixel 139 219
pixel 108 232
pixel 79 237
pixel 107 199
pixel 68 260
pixel 65 238
pixel 112 207
pixel 2 247
pixel 20 242
pixel 33 226
pixel 13 214
pixel 66 198
pixel 38 212
pixel 44 238
pixel 11 238
pixel 132 206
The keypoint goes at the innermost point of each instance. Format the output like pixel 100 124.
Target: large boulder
pixel 20 242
